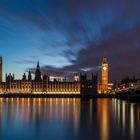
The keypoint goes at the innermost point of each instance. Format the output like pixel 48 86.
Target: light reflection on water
pixel 67 118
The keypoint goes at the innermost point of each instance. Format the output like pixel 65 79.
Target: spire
pixel 104 58
pixel 38 73
pixel 38 64
pixel 29 72
pixel 0 58
pixel 24 77
pixel 29 76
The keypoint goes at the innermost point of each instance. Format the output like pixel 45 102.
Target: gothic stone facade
pixel 43 85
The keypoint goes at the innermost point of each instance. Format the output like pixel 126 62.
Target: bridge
pixel 129 87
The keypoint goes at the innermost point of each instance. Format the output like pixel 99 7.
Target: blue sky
pixel 70 35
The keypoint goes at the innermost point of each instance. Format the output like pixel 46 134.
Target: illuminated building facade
pixel 105 75
pixel 103 87
pixel 42 84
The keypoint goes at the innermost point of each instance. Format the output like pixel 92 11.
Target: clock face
pixel 104 68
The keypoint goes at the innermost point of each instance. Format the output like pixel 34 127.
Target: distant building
pixel 127 84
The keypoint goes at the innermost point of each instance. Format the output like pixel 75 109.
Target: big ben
pixel 0 69
pixel 105 75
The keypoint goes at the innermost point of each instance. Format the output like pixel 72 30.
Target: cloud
pixel 24 62
pixel 72 35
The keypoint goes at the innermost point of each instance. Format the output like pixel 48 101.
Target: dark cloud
pixel 122 51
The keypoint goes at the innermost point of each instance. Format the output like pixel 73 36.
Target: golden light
pixel 104 68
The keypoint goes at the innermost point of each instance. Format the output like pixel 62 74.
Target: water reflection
pixel 132 124
pixel 67 118
pixel 103 116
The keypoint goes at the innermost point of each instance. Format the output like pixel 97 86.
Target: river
pixel 68 119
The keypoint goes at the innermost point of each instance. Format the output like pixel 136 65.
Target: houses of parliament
pixel 41 84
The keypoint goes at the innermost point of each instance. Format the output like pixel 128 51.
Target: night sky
pixel 70 35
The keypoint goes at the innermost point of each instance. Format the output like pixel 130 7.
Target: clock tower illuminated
pixel 0 69
pixel 105 75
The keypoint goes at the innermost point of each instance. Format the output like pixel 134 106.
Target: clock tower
pixel 105 75
pixel 0 69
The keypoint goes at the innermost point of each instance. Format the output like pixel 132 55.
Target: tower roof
pixel 105 60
